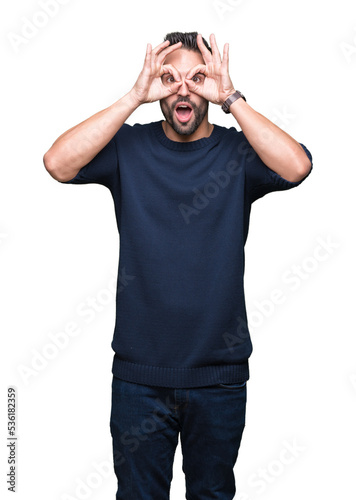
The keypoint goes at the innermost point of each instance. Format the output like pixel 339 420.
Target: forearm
pixel 278 150
pixel 79 145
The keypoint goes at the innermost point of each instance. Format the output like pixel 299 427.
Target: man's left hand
pixel 211 80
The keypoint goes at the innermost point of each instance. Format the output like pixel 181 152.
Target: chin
pixel 184 129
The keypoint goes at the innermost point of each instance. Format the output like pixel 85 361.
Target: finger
pixel 148 56
pixel 161 57
pixel 173 89
pixel 160 47
pixel 193 87
pixel 169 68
pixel 204 51
pixel 215 49
pixel 225 61
pixel 200 68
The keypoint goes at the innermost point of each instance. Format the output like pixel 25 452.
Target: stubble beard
pixel 199 113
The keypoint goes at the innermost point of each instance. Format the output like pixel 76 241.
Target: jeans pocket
pixel 234 385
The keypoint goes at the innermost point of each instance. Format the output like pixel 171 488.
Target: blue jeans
pixel 145 422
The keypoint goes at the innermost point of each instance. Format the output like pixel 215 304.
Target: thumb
pixel 175 87
pixel 171 90
pixel 193 87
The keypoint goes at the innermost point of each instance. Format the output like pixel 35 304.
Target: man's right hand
pixel 149 86
pixel 76 147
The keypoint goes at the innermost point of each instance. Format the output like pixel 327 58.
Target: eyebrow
pixel 169 74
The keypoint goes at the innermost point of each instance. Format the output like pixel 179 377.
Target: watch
pixel 226 106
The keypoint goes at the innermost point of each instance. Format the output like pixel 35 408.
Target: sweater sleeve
pixel 261 180
pixel 102 169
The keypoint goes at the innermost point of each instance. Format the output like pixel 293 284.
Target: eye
pixel 169 79
pixel 198 78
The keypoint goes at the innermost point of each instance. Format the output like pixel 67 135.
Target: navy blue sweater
pixel 182 212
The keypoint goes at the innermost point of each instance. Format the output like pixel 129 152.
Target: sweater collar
pixel 159 133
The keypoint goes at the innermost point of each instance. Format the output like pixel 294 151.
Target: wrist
pixel 132 100
pixel 226 96
pixel 125 106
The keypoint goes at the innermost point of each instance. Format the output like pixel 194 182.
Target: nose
pixel 183 89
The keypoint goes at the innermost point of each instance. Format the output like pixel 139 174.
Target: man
pixel 182 190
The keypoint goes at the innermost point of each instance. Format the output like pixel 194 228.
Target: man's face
pixel 184 111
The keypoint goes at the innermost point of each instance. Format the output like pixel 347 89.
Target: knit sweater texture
pixel 182 211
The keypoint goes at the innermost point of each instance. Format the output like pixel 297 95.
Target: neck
pixel 204 130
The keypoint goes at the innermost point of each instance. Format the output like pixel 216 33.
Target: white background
pixel 295 61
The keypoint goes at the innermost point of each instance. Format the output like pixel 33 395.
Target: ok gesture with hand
pixel 211 80
pixel 149 86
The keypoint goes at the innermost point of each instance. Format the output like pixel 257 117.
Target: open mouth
pixel 183 112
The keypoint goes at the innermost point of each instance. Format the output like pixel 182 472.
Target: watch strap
pixel 236 95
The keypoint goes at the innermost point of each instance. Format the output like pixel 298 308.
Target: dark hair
pixel 189 40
